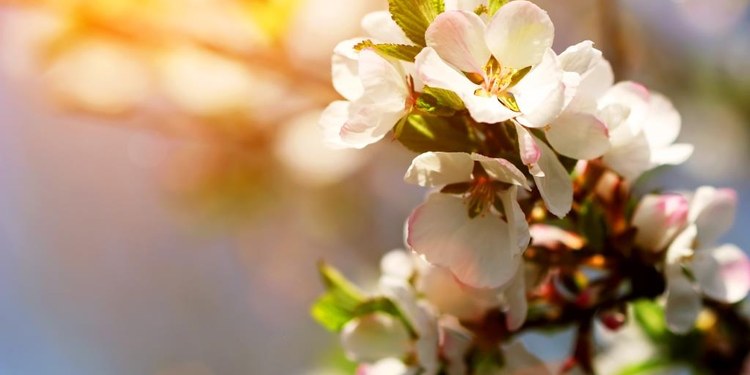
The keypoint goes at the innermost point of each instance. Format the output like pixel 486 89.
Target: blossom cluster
pixel 508 132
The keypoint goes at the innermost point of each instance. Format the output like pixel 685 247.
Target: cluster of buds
pixel 531 222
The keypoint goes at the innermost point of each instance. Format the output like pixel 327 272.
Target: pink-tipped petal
pixel 579 136
pixel 555 187
pixel 502 170
pixel 723 273
pixel 479 251
pixel 458 37
pixel 433 169
pixel 658 218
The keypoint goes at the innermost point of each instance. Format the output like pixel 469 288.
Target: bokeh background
pixel 164 194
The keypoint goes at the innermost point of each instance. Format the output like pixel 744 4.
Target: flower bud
pixel 658 218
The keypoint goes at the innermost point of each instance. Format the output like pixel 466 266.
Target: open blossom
pixel 450 297
pixel 578 132
pixel 413 285
pixel 643 127
pixel 721 273
pixel 466 232
pixel 378 93
pixel 511 72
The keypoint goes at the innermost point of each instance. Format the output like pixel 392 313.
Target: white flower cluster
pixel 503 121
pixel 427 337
pixel 505 73
pixel 685 227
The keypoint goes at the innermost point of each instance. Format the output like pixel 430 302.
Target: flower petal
pixel 672 155
pixel 384 81
pixel 435 72
pixel 397 264
pixel 373 337
pixel 432 169
pixel 515 301
pixel 517 219
pixel 332 120
pixel 368 123
pixel 541 94
pixel 519 34
pixel 662 123
pixel 487 109
pixel 658 218
pixel 683 301
pixel 682 246
pixel 530 152
pixel 479 251
pixel 579 136
pixel 380 25
pixel 387 366
pixel 723 273
pixel 456 343
pixel 502 170
pixel 458 37
pixel 442 290
pixel 556 186
pixel 345 70
pixel 713 211
pixel 631 103
pixel 422 317
pixel 588 62
pixel 630 159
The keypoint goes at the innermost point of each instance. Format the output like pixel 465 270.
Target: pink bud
pixel 658 218
pixel 613 320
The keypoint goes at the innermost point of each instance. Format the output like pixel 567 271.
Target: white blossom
pixel 378 93
pixel 721 272
pixel 482 251
pixel 497 54
pixel 578 132
pixel 642 126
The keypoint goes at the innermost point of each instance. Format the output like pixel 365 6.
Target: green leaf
pixel 389 50
pixel 385 305
pixel 495 5
pixel 329 312
pixel 422 133
pixel 650 316
pixel 335 282
pixel 414 16
pixel 445 98
pixel 338 305
pixel 439 102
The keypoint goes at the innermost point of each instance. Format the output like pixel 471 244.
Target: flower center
pixel 497 80
pixel 481 195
